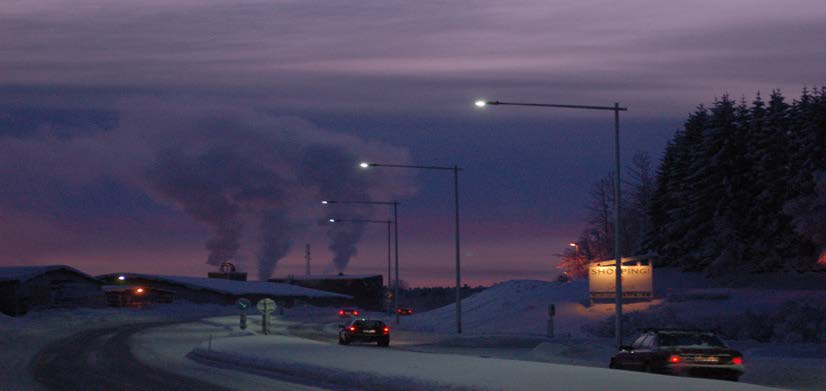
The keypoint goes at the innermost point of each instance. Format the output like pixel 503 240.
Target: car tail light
pixel 341 312
pixel 352 328
pixel 675 359
pixel 355 312
pixel 737 360
pixel 399 310
pixel 387 330
pixel 139 290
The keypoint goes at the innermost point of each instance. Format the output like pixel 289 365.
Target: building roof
pixel 25 273
pixel 327 277
pixel 231 287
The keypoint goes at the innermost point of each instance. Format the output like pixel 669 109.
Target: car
pixel 404 311
pixel 681 353
pixel 364 330
pixel 348 312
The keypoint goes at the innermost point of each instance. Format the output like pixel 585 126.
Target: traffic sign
pixel 244 303
pixel 266 306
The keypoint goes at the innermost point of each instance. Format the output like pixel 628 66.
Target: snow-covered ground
pixel 363 367
pixel 504 330
pixel 509 320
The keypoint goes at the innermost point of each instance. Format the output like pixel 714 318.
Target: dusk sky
pixel 117 117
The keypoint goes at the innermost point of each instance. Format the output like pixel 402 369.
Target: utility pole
pixel 307 258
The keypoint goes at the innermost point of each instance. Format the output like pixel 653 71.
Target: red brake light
pixel 139 290
pixel 737 361
pixel 387 330
pixel 352 328
pixel 341 312
pixel 675 359
pixel 355 312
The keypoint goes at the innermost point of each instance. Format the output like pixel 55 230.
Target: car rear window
pixel 373 323
pixel 691 340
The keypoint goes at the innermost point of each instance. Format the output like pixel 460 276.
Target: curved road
pixel 101 359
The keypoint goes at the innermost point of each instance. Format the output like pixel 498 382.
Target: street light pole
pixel 395 244
pixel 617 201
pixel 455 170
pixel 617 228
pixel 396 247
pixel 576 249
pixel 388 222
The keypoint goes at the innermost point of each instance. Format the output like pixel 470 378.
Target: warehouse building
pixel 23 288
pixel 367 290
pixel 223 291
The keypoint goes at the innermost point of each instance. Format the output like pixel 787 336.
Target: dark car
pixel 682 353
pixel 405 311
pixel 363 330
pixel 348 312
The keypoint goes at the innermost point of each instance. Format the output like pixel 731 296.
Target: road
pixel 102 359
pixel 213 354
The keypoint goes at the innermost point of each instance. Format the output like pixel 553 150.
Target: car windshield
pixel 695 340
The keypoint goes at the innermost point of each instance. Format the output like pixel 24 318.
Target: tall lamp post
pixel 395 244
pixel 576 249
pixel 455 170
pixel 617 242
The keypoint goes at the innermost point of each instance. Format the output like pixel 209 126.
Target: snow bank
pixel 518 307
pixel 683 300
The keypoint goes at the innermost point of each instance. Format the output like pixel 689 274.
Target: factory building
pixel 222 291
pixel 23 288
pixel 367 290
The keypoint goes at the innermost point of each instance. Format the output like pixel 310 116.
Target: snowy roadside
pixel 166 348
pixel 389 369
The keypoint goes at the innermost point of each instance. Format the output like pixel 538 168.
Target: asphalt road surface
pixel 101 359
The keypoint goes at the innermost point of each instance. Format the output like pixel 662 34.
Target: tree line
pixel 741 187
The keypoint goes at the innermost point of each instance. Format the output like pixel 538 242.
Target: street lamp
pixel 395 245
pixel 455 170
pixel 359 221
pixel 617 242
pixel 576 248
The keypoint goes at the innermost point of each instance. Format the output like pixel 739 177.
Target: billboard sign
pixel 637 279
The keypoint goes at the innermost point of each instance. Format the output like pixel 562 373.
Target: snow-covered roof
pixel 25 273
pixel 233 287
pixel 328 277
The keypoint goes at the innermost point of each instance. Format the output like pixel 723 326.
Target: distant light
pixel 364 164
pixel 572 244
pixel 139 290
pixel 481 103
pixel 324 202
pixel 121 278
pixel 332 220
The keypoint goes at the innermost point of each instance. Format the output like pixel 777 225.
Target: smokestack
pixel 275 242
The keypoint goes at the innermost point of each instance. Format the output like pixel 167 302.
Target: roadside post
pixel 266 307
pixel 244 305
pixel 551 313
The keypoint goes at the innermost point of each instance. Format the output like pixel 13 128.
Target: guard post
pixel 266 307
pixel 243 305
